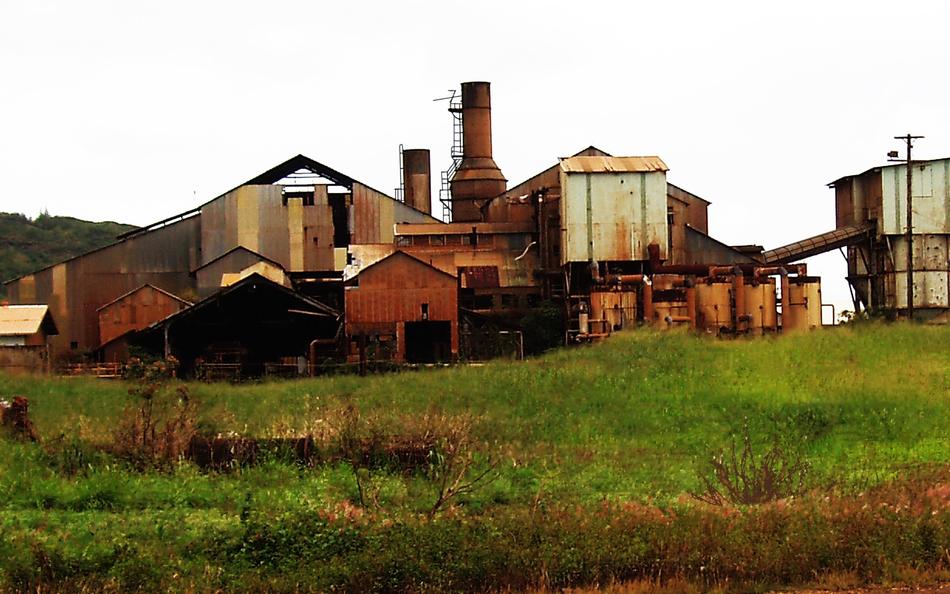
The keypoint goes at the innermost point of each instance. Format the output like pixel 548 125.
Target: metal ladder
pixel 445 192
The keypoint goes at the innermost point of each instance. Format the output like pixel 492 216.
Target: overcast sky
pixel 135 111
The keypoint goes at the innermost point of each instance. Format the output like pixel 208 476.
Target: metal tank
pixel 801 307
pixel 673 301
pixel 618 308
pixel 759 315
pixel 416 172
pixel 714 306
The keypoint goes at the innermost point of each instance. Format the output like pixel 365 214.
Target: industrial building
pixel 303 267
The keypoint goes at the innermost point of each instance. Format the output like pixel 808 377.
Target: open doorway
pixel 428 342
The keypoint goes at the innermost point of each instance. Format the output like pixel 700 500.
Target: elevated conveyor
pixel 818 244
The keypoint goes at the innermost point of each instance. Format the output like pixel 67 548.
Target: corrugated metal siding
pixel 393 291
pixel 625 212
pixel 80 286
pixel 135 311
pixel 931 192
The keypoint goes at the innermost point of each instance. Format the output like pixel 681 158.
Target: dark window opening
pixel 483 302
pixel 307 196
pixel 669 232
pixel 508 300
pixel 403 241
pixel 74 345
pixel 341 228
pixel 425 311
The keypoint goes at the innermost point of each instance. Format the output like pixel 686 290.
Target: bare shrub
pixel 453 463
pixel 740 476
pixel 440 447
pixel 157 427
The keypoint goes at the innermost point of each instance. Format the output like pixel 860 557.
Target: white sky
pixel 133 111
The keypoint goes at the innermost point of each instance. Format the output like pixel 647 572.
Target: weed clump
pixel 740 476
pixel 156 428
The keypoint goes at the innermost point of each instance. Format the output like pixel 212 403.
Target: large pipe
pixel 417 180
pixel 478 178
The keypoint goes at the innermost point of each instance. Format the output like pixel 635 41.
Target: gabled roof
pixel 254 279
pixel 590 151
pixel 294 164
pixel 239 248
pixel 146 285
pixel 613 164
pixel 400 253
pixel 23 320
pixel 274 175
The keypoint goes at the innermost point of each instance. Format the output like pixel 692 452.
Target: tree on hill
pixel 28 244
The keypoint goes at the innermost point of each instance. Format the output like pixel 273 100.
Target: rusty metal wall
pixel 373 215
pixel 612 216
pixel 135 311
pixel 75 289
pixel 394 290
pixel 931 194
pixel 208 277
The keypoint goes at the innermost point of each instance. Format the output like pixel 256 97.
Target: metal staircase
pixel 445 191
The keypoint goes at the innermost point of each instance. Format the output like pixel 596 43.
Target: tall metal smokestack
pixel 478 178
pixel 416 180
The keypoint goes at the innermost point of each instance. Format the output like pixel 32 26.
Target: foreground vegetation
pixel 572 469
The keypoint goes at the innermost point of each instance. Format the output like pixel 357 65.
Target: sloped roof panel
pixel 613 164
pixel 20 320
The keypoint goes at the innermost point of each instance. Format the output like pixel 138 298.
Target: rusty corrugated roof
pixel 612 164
pixel 20 320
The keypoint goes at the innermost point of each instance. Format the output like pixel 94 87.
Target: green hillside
pixel 28 244
pixel 596 451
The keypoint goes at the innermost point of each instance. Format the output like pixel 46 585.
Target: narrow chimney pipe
pixel 476 120
pixel 417 184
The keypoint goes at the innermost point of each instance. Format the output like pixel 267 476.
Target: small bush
pixel 156 429
pixel 739 476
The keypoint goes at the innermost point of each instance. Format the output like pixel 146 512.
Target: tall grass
pixel 632 421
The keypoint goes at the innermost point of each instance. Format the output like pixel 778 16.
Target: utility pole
pixel 909 140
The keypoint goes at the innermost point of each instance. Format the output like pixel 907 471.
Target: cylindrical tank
pixel 478 178
pixel 618 308
pixel 416 174
pixel 714 306
pixel 670 302
pixel 759 312
pixel 801 308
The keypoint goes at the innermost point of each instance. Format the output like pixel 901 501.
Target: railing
pixel 102 370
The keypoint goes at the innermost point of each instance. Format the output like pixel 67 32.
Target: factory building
pixel 303 266
pixel 872 207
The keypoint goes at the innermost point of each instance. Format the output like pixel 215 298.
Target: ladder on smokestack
pixel 445 192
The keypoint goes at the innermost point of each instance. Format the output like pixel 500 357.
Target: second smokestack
pixel 416 180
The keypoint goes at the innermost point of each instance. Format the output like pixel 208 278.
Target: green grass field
pixel 630 422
